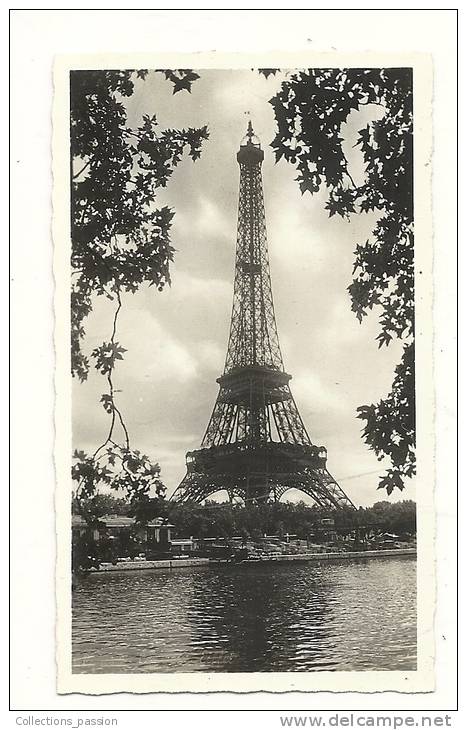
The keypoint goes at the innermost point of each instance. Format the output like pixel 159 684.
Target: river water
pixel 347 616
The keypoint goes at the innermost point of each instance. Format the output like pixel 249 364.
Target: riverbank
pixel 300 557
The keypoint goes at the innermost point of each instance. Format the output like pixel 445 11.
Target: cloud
pixel 210 218
pixel 202 290
pixel 205 217
pixel 211 355
pixel 315 395
pixel 153 351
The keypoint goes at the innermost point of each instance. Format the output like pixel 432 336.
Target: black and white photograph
pixel 246 330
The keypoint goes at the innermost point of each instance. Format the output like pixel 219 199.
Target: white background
pixel 36 36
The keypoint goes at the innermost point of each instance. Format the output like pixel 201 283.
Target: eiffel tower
pixel 256 445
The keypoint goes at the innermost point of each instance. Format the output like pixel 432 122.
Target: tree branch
pixel 82 169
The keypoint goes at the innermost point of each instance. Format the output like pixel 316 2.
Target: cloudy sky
pixel 177 339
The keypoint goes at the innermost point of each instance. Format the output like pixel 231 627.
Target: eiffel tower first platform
pixel 256 446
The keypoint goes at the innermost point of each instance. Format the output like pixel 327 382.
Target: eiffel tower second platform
pixel 256 446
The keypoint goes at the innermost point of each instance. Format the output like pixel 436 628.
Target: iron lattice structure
pixel 256 445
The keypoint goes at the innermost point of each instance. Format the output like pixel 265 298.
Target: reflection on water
pixel 256 618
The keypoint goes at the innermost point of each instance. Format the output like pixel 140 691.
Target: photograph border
pixel 421 680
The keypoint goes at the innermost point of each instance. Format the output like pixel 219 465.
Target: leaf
pixel 107 402
pixel 266 72
pixel 384 338
pixel 115 240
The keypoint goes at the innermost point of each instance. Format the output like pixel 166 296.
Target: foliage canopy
pixel 310 110
pixel 120 241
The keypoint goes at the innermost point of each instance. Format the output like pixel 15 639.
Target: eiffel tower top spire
pixel 250 137
pixel 250 151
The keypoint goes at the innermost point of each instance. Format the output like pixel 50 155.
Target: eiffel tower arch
pixel 256 445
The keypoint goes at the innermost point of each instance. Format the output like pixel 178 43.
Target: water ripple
pixel 345 616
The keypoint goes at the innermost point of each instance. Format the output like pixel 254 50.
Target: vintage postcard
pixel 245 449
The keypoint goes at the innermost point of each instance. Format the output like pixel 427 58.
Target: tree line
pixel 223 519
